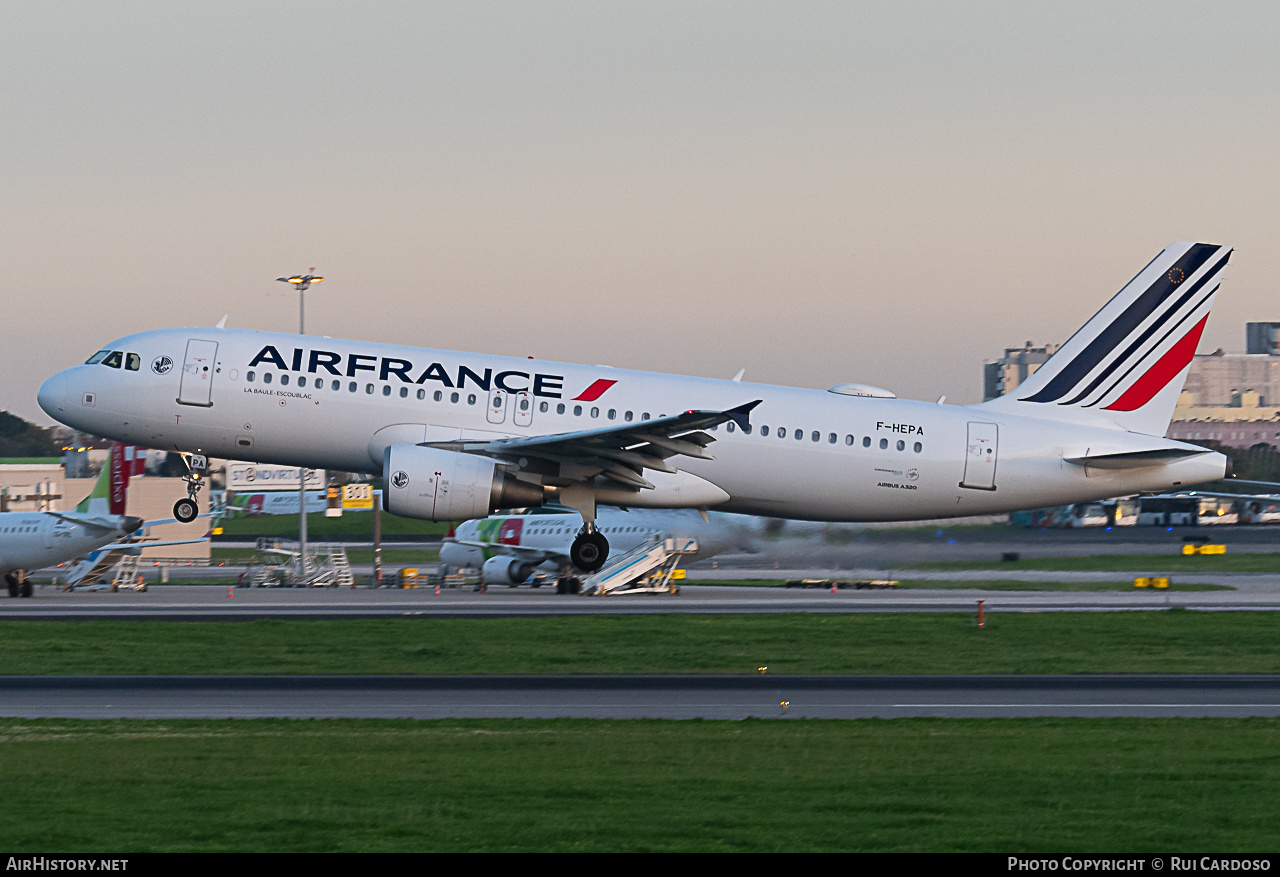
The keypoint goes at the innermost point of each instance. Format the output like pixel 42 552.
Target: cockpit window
pixel 132 361
pixel 97 357
pixel 114 359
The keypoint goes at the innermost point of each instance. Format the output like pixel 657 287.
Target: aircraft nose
pixel 53 394
pixel 130 523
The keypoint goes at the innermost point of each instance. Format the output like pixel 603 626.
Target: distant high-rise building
pixel 1261 338
pixel 1017 364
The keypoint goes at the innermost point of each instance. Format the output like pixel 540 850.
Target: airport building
pixel 1017 364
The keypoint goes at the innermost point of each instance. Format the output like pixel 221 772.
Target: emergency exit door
pixel 197 373
pixel 981 453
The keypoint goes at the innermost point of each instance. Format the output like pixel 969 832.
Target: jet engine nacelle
pixel 435 485
pixel 505 570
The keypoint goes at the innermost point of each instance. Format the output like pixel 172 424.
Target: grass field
pixel 1172 641
pixel 978 584
pixel 1008 786
pixel 1137 563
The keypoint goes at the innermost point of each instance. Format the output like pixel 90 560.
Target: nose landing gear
pixel 186 510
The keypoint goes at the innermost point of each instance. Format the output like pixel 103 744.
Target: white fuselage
pixel 35 540
pixel 810 454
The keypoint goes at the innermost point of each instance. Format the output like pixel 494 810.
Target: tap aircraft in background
pixel 458 435
pixel 508 549
pixel 97 529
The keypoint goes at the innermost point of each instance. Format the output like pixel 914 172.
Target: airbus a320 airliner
pixel 458 435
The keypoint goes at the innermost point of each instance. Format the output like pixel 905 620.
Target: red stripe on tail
pixel 1159 375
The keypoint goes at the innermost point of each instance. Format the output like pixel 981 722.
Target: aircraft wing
pixel 85 522
pixel 533 555
pixel 621 453
pixel 150 544
pixel 158 522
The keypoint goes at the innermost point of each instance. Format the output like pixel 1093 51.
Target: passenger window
pixel 747 429
pixel 613 414
pixel 524 404
pixel 595 412
pixel 437 395
pixel 248 376
pixel 302 382
pixel 816 436
pixel 114 359
pixel 368 389
pixel 902 446
pixel 266 377
pixel 422 394
pixel 132 361
pixel 728 427
pixel 543 406
pixel 284 380
pixel 919 447
pixel 577 410
pixel 799 435
pixel 404 392
pixel 471 398
pixel 764 430
pixel 866 441
pixel 884 443
pixel 628 417
pixel 453 397
pixel 337 385
pixel 831 439
pixel 644 416
pixel 351 387
pixel 386 389
pixel 97 357
pixel 848 440
pixel 782 432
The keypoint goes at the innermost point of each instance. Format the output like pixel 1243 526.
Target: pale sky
pixel 818 192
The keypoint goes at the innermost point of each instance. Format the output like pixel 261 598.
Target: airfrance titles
pixel 405 371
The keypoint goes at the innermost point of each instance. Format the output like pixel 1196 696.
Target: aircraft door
pixel 980 457
pixel 497 412
pixel 197 373
pixel 523 414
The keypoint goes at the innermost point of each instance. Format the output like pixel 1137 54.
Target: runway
pixel 218 603
pixel 631 697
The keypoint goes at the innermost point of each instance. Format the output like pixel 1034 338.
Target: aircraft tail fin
pixel 98 502
pixel 1128 363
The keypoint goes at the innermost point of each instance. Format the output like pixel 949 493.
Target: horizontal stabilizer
pixel 1136 459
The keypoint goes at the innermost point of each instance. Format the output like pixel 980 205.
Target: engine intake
pixel 435 485
pixel 500 570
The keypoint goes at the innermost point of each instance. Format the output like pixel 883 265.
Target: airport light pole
pixel 301 282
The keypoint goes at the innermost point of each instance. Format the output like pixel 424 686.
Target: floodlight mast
pixel 301 282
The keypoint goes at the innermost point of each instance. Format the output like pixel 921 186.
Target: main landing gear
pixel 590 549
pixel 19 584
pixel 186 510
